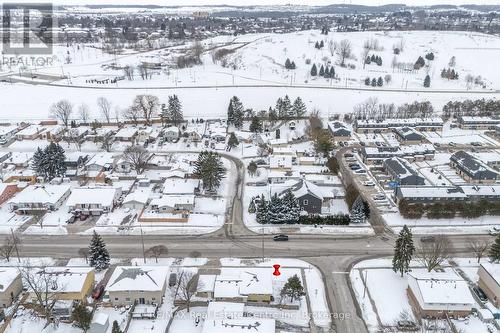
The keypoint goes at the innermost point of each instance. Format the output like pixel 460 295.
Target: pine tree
pixel 327 72
pixel 314 70
pixel 403 251
pixel 116 328
pixel 367 81
pixel 299 109
pixel 316 45
pixel 275 210
pixel 82 317
pixel 332 72
pixel 494 252
pixel 357 214
pixel 261 210
pixel 256 125
pixel 292 65
pixel 279 108
pixel 37 162
pixel 230 112
pixel 374 82
pixel 210 169
pixel 239 112
pixel 322 71
pixel 288 64
pixel 233 140
pixel 380 81
pixel 321 44
pixel 273 116
pixel 368 60
pixel 98 254
pixel 286 107
pixel 49 162
pixel 175 110
pixel 443 73
pixel 293 288
pixel 291 207
pixel 427 81
pixel 251 207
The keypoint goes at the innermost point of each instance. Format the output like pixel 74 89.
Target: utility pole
pixel 15 245
pixel 143 252
pixel 263 256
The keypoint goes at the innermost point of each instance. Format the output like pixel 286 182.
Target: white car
pixel 494 231
pixel 378 197
pixel 369 183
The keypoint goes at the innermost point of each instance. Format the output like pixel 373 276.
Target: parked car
pixel 355 167
pixel 368 183
pixel 360 171
pixel 480 294
pixel 427 239
pixel 494 231
pixel 476 144
pixel 378 197
pixel 348 155
pixel 280 238
pixel 172 280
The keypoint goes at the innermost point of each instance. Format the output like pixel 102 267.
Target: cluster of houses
pixel 444 294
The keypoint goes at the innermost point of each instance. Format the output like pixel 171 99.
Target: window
pixel 305 202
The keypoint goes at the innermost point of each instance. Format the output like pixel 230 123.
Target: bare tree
pixel 129 72
pixel 364 55
pixel 84 253
pixel 157 251
pixel 344 51
pixel 434 254
pixel 188 284
pixel 148 105
pixel 332 47
pixel 197 50
pixel 138 156
pixel 84 113
pixel 106 142
pixel 62 111
pixel 104 106
pixel 479 248
pixel 144 71
pixel 132 113
pixel 7 249
pixel 73 136
pixel 44 287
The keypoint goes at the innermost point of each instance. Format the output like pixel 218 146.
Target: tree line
pixel 448 210
pixel 478 107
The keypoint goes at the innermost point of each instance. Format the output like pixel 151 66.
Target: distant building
pixel 408 135
pixel 413 153
pixel 478 123
pixel 339 130
pixel 471 169
pixel 387 125
pixel 401 171
pixel 431 194
pixel 93 200
pixel 39 198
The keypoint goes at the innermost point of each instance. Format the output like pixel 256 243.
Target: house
pixel 98 164
pixel 173 204
pixel 281 162
pixel 280 177
pixel 7 191
pixel 76 159
pixel 477 123
pixel 7 133
pixel 76 134
pixel 489 281
pixel 5 155
pixel 100 323
pixel 54 133
pixel 471 169
pixel 11 285
pixel 431 194
pixel 131 285
pixel 412 153
pixel 136 200
pixel 309 196
pixel 39 198
pixel 251 285
pixel 408 135
pixel 127 134
pixel 31 132
pixel 205 288
pixel 19 159
pixel 339 131
pixel 181 186
pixel 401 171
pixel 387 125
pixel 172 134
pixel 73 283
pixel 93 200
pixel 439 294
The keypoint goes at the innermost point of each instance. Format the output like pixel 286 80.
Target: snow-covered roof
pixel 100 318
pixel 439 290
pixel 224 310
pixel 74 156
pixel 7 276
pixel 476 119
pixel 173 129
pixel 44 194
pixel 138 278
pixel 431 192
pixel 19 157
pixel 173 174
pixel 104 196
pixel 173 200
pixel 237 282
pixel 126 132
pixel 7 129
pixel 137 196
pixel 102 159
pixel 280 161
pixel 304 187
pixel 255 325
pixel 180 186
pixel 68 279
pixel 493 269
pixel 206 283
pixel 31 130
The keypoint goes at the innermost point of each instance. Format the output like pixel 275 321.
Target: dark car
pixel 172 280
pixel 280 238
pixel 427 239
pixel 98 291
pixel 480 294
pixel 355 167
pixel 348 155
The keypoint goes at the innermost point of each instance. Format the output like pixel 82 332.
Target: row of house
pixel 432 194
pixel 412 153
pixel 388 125
pixel 477 123
pixel 472 169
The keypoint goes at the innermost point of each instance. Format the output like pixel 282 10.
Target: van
pixel 172 280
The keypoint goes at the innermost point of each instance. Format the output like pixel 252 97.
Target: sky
pixel 265 2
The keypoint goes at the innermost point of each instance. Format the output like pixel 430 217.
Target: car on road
pixel 280 238
pixel 494 231
pixel 452 144
pixel 480 294
pixel 355 167
pixel 360 171
pixel 476 144
pixel 346 155
pixel 378 197
pixel 427 239
pixel 368 183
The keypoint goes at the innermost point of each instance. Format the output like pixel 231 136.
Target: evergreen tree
pixel 368 60
pixel 251 207
pixel 38 160
pixel 175 110
pixel 279 108
pixel 275 210
pixel 239 112
pixel 327 72
pixel 379 61
pixel 291 207
pixel 210 169
pixel 81 317
pixel 372 59
pixel 314 70
pixel 288 64
pixel 230 112
pixel 332 72
pixel 293 288
pixel 49 162
pixel 116 328
pixel 287 107
pixel 299 109
pixel 273 116
pixel 292 65
pixel 367 81
pixel 443 73
pixel 321 44
pixel 427 81
pixel 322 71
pixel 494 252
pixel 316 45
pixel 357 214
pixel 252 168
pixel 261 210
pixel 256 125
pixel 403 251
pixel 374 82
pixel 98 254
pixel 233 140
pixel 380 81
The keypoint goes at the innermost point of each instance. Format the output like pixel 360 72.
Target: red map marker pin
pixel 276 270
